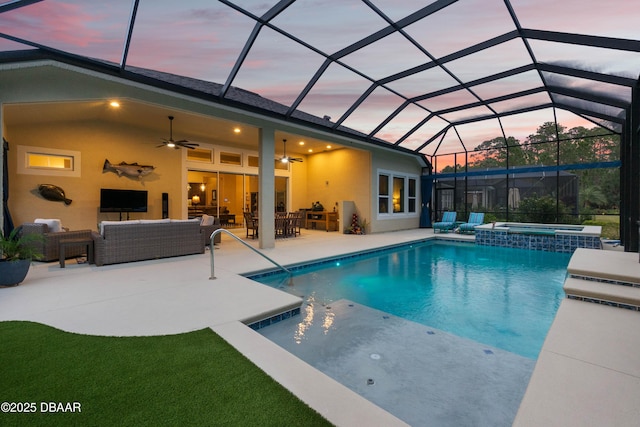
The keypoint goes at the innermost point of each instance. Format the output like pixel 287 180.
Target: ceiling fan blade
pixel 187 144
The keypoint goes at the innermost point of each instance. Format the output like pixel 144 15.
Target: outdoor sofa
pixel 137 240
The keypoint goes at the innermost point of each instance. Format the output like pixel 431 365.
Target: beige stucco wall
pixel 338 175
pixel 96 142
pixel 384 160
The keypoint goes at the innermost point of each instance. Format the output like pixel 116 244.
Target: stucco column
pixel 266 187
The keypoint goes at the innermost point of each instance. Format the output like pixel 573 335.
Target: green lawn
pixel 195 378
pixel 608 218
pixel 610 225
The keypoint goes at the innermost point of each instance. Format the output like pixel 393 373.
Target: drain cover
pixel 375 356
pixel 370 381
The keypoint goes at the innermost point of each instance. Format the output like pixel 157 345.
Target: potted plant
pixel 16 254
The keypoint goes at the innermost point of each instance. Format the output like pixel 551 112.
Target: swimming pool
pixel 501 297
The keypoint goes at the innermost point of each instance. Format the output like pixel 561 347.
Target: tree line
pixel 599 189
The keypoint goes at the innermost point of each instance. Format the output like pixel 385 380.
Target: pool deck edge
pixel 588 371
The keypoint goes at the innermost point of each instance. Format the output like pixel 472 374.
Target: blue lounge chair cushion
pixel 447 223
pixel 475 219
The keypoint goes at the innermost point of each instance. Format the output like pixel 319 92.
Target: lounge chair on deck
pixel 475 218
pixel 448 222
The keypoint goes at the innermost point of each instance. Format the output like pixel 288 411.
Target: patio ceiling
pixel 425 77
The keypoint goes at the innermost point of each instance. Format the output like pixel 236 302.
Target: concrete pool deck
pixel 175 295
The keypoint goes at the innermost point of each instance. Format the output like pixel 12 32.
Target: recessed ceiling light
pixel 301 142
pixel 236 130
pixel 114 104
pixel 311 150
pixel 328 147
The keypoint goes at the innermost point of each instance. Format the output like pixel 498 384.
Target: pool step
pixel 605 266
pixel 615 295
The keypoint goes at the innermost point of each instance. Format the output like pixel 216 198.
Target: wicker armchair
pixel 49 245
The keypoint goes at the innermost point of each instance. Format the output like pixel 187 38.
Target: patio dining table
pixel 285 226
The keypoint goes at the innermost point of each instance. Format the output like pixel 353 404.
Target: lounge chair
pixel 475 218
pixel 448 222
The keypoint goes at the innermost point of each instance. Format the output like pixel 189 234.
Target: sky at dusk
pixel 203 39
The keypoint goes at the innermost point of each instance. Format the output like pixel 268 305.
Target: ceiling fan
pixel 285 158
pixel 176 144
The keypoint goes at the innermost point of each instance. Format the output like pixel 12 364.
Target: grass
pixel 195 378
pixel 610 225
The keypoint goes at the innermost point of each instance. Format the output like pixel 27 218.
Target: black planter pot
pixel 13 272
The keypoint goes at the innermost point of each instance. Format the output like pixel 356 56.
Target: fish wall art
pixel 132 170
pixel 53 193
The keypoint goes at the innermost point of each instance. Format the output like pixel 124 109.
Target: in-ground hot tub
pixel 540 237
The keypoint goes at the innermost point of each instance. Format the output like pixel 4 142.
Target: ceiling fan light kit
pixel 285 158
pixel 171 143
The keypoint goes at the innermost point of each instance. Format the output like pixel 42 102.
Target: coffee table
pixel 64 243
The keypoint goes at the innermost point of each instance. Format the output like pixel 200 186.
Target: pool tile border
pixel 274 319
pixel 604 302
pixel 603 280
pixel 563 243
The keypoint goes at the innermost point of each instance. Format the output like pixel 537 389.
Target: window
pixel 412 195
pixel 48 161
pixel 231 159
pixel 200 155
pixel 253 161
pixel 279 165
pixel 383 194
pixel 397 195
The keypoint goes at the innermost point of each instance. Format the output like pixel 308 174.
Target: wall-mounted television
pixel 112 200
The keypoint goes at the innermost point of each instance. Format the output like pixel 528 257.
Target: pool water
pixel 502 297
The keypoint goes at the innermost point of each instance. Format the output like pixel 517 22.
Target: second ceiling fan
pixel 176 144
pixel 285 158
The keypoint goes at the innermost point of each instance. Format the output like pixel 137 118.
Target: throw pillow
pixel 207 220
pixel 55 225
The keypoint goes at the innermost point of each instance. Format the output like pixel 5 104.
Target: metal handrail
pixel 222 230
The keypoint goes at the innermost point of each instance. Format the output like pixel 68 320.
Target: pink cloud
pixel 54 22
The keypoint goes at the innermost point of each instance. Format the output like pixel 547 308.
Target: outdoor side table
pixel 88 242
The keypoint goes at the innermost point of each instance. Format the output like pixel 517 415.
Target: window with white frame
pixel 204 155
pixel 397 194
pixel 48 161
pixel 231 158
